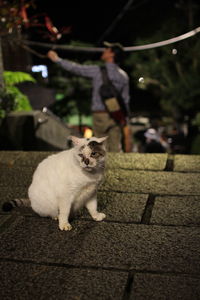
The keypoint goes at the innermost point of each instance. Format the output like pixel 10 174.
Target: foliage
pixel 172 71
pixel 17 15
pixel 12 78
pixel 73 94
pixel 195 147
pixel 11 99
pixel 196 121
pixel 13 15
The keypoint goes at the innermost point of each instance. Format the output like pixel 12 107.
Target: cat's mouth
pixel 87 168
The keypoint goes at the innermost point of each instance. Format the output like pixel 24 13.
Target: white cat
pixel 69 180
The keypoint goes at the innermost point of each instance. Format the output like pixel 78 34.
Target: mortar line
pixel 156 194
pixel 62 265
pixel 130 270
pixel 146 217
pixel 129 286
pixel 164 273
pixel 170 160
pixel 88 219
pixel 169 167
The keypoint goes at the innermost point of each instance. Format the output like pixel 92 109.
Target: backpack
pixel 112 99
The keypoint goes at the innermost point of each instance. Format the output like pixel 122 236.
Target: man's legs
pixel 103 125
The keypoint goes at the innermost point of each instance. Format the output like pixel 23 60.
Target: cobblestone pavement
pixel 148 247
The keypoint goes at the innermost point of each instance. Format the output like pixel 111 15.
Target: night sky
pixel 90 19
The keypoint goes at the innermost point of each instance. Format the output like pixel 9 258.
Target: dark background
pixel 90 19
pixel 130 22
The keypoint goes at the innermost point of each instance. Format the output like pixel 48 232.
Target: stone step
pixel 104 245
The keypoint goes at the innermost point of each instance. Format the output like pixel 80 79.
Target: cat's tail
pixel 9 205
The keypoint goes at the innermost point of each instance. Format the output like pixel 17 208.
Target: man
pixel 103 124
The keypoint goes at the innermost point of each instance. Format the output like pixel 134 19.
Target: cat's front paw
pixel 65 226
pixel 99 216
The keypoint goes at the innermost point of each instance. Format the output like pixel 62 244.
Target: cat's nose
pixel 87 161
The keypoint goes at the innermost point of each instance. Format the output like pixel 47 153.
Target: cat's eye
pixel 81 155
pixel 94 154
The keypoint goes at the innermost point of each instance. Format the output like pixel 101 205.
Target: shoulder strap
pixel 104 74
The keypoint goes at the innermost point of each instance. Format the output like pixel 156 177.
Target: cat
pixel 67 181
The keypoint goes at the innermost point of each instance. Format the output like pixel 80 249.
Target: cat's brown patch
pixel 96 148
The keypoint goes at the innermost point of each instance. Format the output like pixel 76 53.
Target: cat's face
pixel 90 152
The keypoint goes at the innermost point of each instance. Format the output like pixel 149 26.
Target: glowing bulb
pixel 87 133
pixel 141 79
pixel 174 51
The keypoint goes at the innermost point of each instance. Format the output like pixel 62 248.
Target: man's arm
pixel 77 69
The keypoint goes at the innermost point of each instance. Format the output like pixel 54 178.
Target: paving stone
pixel 140 161
pixel 120 180
pixel 10 193
pixel 104 244
pixel 152 182
pixel 122 207
pixel 32 158
pixel 6 221
pixel 3 219
pixel 187 163
pixel 117 206
pixel 162 286
pixel 16 176
pixel 29 281
pixel 9 157
pixel 94 258
pixel 183 210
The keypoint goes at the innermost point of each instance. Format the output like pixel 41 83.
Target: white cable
pixel 128 49
pixel 166 42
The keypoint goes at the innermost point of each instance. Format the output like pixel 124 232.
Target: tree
pixel 1 67
pixel 16 20
pixel 172 72
pixel 73 93
pixel 10 96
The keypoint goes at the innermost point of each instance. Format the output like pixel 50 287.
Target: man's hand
pixel 53 56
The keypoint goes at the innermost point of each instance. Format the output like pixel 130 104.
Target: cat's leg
pixel 63 216
pixel 91 205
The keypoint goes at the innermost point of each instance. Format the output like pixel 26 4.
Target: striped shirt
pixel 118 77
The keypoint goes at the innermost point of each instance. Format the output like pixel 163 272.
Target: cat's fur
pixel 69 180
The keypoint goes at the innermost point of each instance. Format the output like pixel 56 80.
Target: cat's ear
pixel 102 139
pixel 75 140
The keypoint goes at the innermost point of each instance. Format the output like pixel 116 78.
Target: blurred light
pixel 169 140
pixel 44 110
pixel 174 51
pixel 141 79
pixel 87 133
pixel 42 69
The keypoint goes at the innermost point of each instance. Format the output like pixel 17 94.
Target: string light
pixel 174 51
pixel 141 80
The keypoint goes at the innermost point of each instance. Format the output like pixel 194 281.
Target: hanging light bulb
pixel 141 80
pixel 174 51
